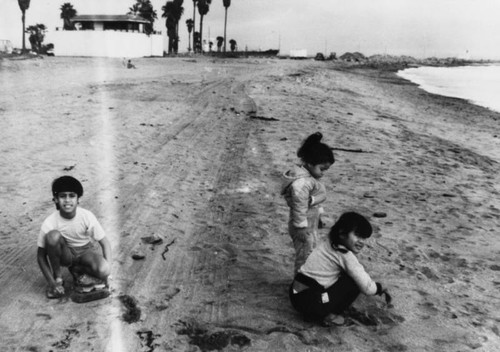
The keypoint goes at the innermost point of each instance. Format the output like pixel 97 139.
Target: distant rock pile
pixel 398 62
pixel 353 57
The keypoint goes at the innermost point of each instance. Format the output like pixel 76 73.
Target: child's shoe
pixel 87 283
pixel 333 320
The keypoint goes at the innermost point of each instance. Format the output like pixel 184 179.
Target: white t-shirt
pixel 77 231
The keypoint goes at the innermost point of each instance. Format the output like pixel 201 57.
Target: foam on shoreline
pixel 478 84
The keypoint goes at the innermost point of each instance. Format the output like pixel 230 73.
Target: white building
pixel 5 46
pixel 106 36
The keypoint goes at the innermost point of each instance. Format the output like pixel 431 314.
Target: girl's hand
pixel 383 291
pixel 388 298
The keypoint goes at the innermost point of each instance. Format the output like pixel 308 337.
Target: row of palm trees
pixel 172 11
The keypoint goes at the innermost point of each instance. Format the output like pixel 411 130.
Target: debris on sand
pixel 138 255
pixel 66 341
pixel 358 150
pixel 132 311
pixel 154 239
pixel 148 340
pixel 69 168
pixel 166 249
pixel 263 118
pixel 212 341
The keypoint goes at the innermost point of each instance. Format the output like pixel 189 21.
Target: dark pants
pixel 315 302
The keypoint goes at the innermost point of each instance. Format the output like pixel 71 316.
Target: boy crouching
pixel 69 237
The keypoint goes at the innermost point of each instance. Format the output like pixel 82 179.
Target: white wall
pixel 105 44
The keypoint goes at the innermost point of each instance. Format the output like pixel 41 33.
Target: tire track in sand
pixel 182 191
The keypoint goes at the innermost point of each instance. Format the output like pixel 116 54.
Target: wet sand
pixel 173 149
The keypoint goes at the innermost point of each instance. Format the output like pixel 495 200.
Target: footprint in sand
pixel 429 273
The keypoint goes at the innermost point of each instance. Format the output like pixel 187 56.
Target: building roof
pixel 109 18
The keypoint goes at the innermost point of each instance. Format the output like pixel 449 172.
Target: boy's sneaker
pixel 87 280
pixel 87 283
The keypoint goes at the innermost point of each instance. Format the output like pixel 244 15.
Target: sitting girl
pixel 332 277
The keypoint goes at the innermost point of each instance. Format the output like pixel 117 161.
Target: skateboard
pixel 83 294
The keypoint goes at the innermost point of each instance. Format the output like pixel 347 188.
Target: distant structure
pixel 298 54
pixel 107 36
pixel 6 46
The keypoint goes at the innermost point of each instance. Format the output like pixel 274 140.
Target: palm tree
pixel 67 13
pixel 24 5
pixel 179 11
pixel 190 25
pixel 173 11
pixel 168 9
pixel 220 41
pixel 203 7
pixel 144 8
pixel 196 42
pixel 232 44
pixel 134 10
pixel 194 22
pixel 226 3
pixel 37 35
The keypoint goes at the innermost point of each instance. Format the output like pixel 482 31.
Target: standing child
pixel 67 239
pixel 332 277
pixel 304 193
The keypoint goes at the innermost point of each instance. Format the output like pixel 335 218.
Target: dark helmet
pixel 67 184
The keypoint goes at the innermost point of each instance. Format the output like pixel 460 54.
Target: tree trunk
pixel 201 33
pixel 24 31
pixel 225 25
pixel 176 48
pixel 194 25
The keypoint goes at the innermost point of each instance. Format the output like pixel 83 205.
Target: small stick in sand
pixel 351 150
pixel 166 249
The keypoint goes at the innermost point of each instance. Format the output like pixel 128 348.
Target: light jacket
pixel 302 193
pixel 326 263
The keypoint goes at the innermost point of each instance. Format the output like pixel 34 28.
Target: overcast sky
pixel 420 28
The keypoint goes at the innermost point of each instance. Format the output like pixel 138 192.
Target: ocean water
pixel 478 84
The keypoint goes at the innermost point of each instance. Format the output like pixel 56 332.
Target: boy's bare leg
pixel 94 264
pixel 57 252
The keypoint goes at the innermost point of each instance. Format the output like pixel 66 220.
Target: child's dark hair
pixel 67 184
pixel 350 221
pixel 314 152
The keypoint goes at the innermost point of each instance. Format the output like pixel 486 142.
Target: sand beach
pixel 191 149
